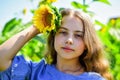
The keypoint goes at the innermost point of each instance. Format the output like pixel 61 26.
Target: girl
pixel 74 53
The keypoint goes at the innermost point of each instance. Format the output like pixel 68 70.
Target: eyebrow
pixel 75 31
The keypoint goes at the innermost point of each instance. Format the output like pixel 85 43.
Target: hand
pixel 35 29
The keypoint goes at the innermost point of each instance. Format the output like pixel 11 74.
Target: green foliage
pixel 113 48
pixel 34 49
pixel 86 5
pixel 10 26
pixel 80 6
pixel 103 1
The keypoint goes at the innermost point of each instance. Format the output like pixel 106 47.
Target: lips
pixel 67 49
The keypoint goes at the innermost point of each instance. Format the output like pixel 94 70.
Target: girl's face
pixel 69 42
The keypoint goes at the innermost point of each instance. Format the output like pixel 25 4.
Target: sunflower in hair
pixel 44 18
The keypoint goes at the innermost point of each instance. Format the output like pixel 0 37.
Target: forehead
pixel 72 22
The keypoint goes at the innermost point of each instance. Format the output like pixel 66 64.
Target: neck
pixel 70 66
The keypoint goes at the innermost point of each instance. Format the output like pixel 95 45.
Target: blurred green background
pixel 108 32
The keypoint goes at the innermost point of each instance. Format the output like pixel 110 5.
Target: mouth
pixel 67 49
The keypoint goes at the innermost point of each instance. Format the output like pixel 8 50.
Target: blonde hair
pixel 92 58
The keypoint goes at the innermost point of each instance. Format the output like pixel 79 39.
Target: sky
pixel 13 8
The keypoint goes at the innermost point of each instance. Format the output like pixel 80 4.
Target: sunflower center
pixel 47 19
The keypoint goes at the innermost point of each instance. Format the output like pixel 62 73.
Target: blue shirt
pixel 21 69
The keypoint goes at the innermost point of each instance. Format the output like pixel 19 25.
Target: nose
pixel 69 40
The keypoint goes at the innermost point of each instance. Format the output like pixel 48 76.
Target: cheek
pixel 59 39
pixel 80 46
pixel 57 42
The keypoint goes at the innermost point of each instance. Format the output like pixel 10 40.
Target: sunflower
pixel 50 1
pixel 44 18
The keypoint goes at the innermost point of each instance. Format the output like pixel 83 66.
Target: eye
pixel 63 32
pixel 78 36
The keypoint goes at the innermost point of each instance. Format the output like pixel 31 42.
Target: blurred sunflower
pixel 44 18
pixel 50 1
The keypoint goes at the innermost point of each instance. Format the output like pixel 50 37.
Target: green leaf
pixel 32 11
pixel 104 1
pixel 10 25
pixel 115 33
pixel 79 6
pixel 40 38
pixel 99 23
pixel 76 4
pixel 117 23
